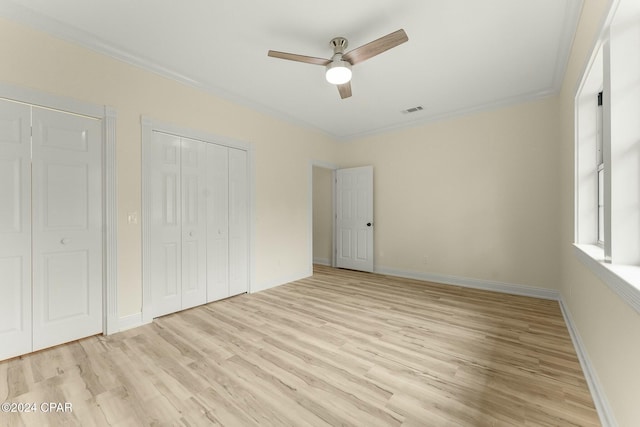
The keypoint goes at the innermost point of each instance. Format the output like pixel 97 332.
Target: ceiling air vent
pixel 412 110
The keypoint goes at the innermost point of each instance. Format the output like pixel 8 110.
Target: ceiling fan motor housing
pixel 339 44
pixel 338 71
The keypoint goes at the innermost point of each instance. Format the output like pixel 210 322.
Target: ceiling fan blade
pixel 298 58
pixel 376 47
pixel 345 90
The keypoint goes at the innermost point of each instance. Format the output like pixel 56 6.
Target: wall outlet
pixel 132 217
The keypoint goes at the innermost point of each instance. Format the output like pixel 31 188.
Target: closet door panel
pixel 166 224
pixel 67 227
pixel 194 226
pixel 238 222
pixel 15 229
pixel 217 222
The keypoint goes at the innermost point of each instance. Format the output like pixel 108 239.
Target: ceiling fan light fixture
pixel 338 72
pixel 338 68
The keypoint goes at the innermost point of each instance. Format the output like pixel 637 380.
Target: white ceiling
pixel 462 55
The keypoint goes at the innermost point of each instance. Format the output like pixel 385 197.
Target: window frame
pixel 610 248
pixel 600 188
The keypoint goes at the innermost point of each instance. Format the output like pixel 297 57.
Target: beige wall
pixel 477 195
pixel 322 213
pixel 487 196
pixel 608 327
pixel 282 151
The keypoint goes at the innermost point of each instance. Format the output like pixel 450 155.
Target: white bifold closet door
pixel 67 227
pixel 50 228
pixel 238 222
pixel 227 222
pixel 217 222
pixel 15 229
pixel 199 223
pixel 194 226
pixel 178 229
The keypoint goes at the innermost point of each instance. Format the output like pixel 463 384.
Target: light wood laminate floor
pixel 338 348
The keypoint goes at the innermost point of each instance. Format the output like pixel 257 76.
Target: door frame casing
pixel 149 126
pixel 107 116
pixel 333 167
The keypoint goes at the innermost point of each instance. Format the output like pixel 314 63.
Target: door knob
pixel 368 224
pixel 191 234
pixel 64 241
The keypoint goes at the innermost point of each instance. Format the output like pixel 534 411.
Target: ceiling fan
pixel 339 66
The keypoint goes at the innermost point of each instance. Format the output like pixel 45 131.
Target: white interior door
pixel 15 229
pixel 217 222
pixel 238 222
pixel 354 218
pixel 166 225
pixel 194 226
pixel 67 227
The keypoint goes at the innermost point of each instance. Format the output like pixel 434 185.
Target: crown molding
pixel 82 38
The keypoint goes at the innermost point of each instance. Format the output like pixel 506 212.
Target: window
pixel 607 208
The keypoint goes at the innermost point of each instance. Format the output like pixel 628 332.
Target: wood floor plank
pixel 338 348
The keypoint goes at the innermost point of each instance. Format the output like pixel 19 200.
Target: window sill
pixel 624 280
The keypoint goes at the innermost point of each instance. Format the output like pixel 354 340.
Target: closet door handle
pixel 64 241
pixel 191 234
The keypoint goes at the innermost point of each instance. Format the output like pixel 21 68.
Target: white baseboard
pixel 322 261
pixel 130 321
pixel 599 399
pixel 281 281
pixel 487 285
pixel 135 320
